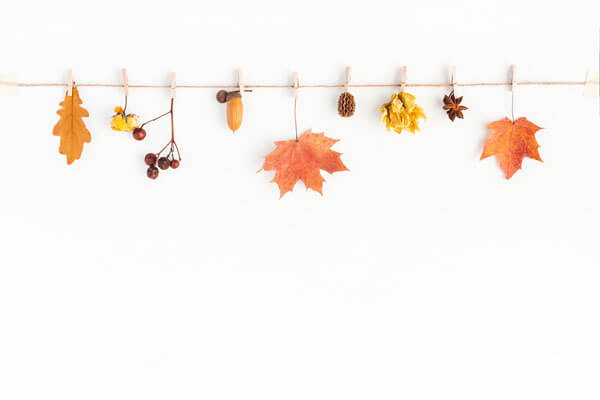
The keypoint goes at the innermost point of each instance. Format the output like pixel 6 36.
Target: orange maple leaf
pixel 511 141
pixel 294 160
pixel 71 128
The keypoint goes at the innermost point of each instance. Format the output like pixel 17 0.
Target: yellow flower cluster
pixel 122 122
pixel 402 113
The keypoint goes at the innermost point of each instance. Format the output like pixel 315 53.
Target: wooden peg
pixel 514 78
pixel 125 82
pixel 296 84
pixel 70 82
pixel 241 80
pixel 403 77
pixel 347 81
pixel 173 85
pixel 453 79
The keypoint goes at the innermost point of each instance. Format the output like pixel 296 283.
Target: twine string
pixel 296 87
pixel 275 86
pixel 512 89
pixel 295 117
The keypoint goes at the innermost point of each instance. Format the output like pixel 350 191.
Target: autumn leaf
pixel 302 159
pixel 71 128
pixel 511 141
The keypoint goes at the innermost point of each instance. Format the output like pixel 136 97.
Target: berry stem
pixel 171 142
pixel 177 148
pixel 163 149
pixel 154 119
pixel 172 123
pixel 125 110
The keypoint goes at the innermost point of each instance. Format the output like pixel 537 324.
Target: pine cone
pixel 346 105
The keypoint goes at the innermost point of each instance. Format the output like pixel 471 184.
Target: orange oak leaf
pixel 302 159
pixel 511 141
pixel 71 128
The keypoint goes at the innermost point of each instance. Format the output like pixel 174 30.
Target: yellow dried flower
pixel 124 122
pixel 402 113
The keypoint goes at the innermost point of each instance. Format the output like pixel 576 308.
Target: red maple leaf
pixel 302 159
pixel 511 141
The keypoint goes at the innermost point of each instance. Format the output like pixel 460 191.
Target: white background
pixel 420 274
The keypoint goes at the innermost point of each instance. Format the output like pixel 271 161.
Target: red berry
pixel 174 163
pixel 163 163
pixel 150 159
pixel 152 172
pixel 139 133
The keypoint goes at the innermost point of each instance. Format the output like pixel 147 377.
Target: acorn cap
pixel 222 96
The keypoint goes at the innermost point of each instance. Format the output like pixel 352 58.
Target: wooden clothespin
pixel 348 77
pixel 453 79
pixel 592 85
pixel 241 80
pixel 70 82
pixel 403 78
pixel 173 85
pixel 296 85
pixel 125 82
pixel 514 78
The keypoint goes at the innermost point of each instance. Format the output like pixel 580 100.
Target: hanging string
pixel 513 106
pixel 512 90
pixel 295 117
pixel 296 87
pixel 274 86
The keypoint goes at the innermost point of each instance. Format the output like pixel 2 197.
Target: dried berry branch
pixel 167 160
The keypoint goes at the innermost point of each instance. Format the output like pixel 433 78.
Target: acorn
pixel 235 110
pixel 235 107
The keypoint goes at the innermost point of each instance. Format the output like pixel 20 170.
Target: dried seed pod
pixel 453 107
pixel 235 110
pixel 346 105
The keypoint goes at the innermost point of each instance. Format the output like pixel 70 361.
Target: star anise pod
pixel 453 107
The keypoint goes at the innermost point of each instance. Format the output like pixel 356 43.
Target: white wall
pixel 420 274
